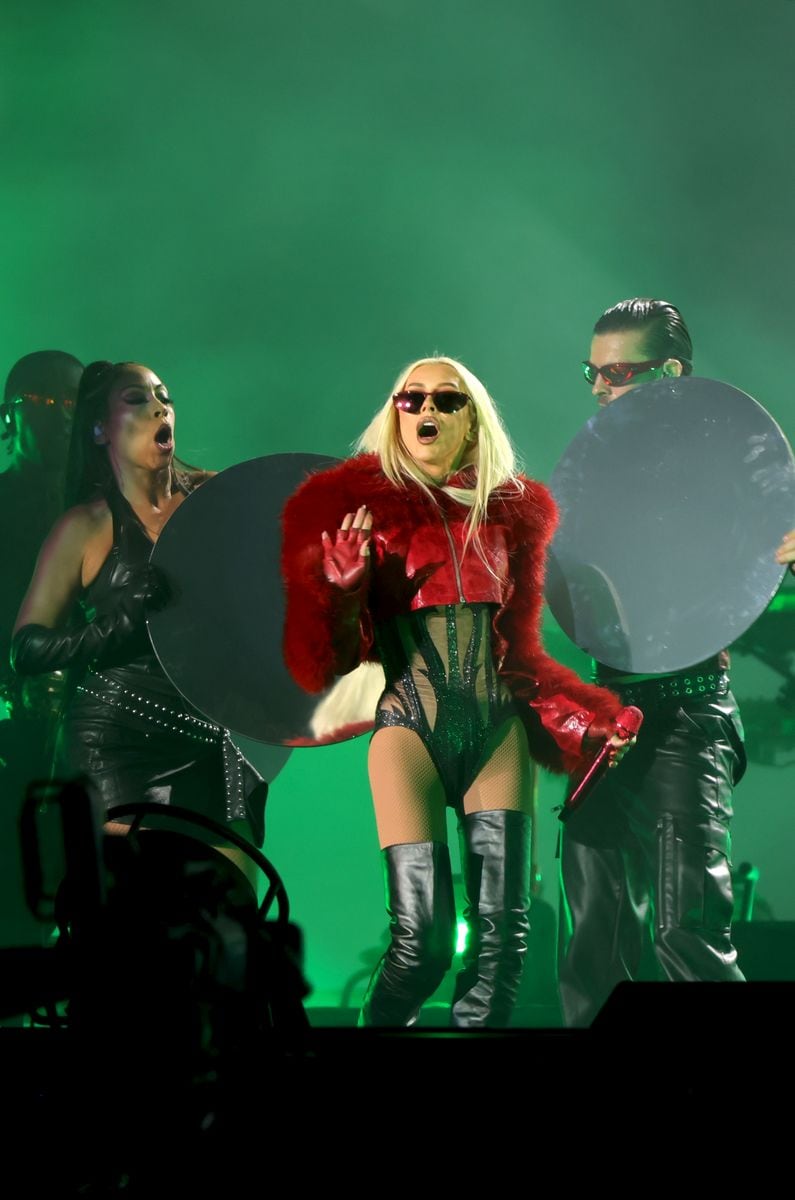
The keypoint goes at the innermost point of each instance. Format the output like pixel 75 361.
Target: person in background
pixel 35 420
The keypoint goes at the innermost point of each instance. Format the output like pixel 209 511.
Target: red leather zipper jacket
pixel 419 559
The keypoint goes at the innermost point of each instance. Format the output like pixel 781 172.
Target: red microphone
pixel 627 724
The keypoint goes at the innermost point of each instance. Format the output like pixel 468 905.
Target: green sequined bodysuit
pixel 442 682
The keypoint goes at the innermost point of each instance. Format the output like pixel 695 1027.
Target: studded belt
pixel 165 719
pixel 666 690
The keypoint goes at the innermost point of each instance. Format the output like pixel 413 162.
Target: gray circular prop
pixel 219 639
pixel 673 499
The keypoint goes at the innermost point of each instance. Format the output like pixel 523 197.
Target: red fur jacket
pixel 418 560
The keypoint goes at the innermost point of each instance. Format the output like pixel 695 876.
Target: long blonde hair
pixel 491 452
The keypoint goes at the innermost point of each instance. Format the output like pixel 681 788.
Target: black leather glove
pixel 36 649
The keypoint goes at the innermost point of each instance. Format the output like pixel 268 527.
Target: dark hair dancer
pixel 649 853
pixel 125 726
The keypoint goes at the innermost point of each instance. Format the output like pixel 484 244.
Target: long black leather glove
pixel 36 649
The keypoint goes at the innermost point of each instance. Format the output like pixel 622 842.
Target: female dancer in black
pixel 125 726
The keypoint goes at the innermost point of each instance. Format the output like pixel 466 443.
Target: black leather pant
pixel 651 846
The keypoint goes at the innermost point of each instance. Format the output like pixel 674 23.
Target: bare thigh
pixel 408 796
pixel 247 867
pixel 506 778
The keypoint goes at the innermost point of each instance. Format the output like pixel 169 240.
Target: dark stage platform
pixel 122 1116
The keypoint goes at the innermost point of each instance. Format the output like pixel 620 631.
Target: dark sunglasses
pixel 617 374
pixel 445 402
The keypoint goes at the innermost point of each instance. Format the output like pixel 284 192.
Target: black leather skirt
pixel 133 736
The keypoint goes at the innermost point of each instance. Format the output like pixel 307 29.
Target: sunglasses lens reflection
pixel 618 374
pixel 410 402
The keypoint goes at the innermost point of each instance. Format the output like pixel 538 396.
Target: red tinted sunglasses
pixel 617 374
pixel 445 402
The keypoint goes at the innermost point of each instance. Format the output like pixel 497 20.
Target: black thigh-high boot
pixel 419 895
pixel 496 856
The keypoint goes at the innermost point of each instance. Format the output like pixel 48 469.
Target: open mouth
pixel 164 438
pixel 427 431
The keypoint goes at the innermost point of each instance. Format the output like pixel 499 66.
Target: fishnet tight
pixel 409 800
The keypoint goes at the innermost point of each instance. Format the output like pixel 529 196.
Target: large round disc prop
pixel 673 499
pixel 219 639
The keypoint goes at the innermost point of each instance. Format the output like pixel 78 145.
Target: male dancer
pixel 651 847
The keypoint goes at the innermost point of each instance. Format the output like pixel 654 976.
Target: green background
pixel 276 205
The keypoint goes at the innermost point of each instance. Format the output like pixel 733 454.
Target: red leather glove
pixel 345 560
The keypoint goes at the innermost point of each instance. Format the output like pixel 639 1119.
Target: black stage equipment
pixel 168 991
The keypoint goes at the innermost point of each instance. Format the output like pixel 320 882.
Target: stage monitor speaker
pixel 689 1012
